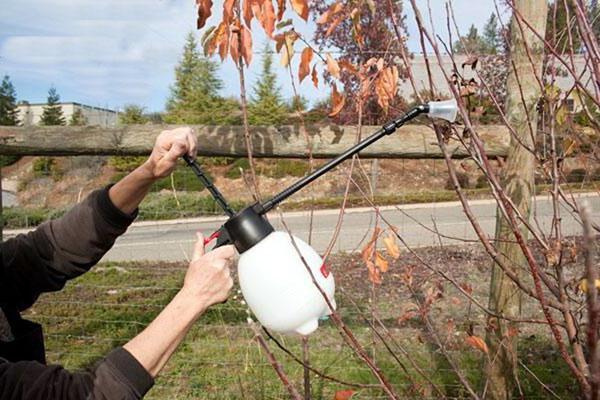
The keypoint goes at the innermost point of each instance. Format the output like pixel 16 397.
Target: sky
pixel 110 53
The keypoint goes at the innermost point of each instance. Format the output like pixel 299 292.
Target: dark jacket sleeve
pixel 44 259
pixel 117 377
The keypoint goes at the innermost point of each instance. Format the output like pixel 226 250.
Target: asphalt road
pixel 172 240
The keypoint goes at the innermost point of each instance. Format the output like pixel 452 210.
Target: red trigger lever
pixel 212 237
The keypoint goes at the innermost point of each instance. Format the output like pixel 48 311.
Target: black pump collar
pixel 247 228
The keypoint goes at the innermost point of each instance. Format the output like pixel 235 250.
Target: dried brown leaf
pixel 315 76
pixel 204 12
pixel 390 245
pixel 478 343
pixel 301 8
pixel 246 45
pixel 381 262
pixel 333 66
pixel 305 60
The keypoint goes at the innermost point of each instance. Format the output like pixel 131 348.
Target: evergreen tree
pixel 473 43
pixel 266 105
pixel 78 119
pixel 491 35
pixel 559 36
pixel 195 95
pixel 52 113
pixel 8 103
pixel 132 115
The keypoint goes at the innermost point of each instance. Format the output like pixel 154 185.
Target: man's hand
pixel 207 282
pixel 127 194
pixel 169 146
pixel 208 278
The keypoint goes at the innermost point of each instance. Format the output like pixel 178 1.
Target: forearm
pixel 129 192
pixel 154 345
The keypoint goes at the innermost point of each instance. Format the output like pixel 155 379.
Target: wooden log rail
pixel 411 141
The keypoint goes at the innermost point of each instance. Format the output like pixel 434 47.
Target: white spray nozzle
pixel 446 109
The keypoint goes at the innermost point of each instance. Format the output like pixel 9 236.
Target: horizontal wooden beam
pixel 411 141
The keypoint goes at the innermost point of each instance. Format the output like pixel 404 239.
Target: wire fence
pixel 220 358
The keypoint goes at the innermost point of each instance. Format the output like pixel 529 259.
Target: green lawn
pixel 220 359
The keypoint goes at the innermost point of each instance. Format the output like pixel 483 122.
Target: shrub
pixel 17 217
pixel 5 161
pixel 576 175
pixel 218 161
pixel 285 168
pixel 184 179
pixel 47 166
pixel 165 206
pixel 126 164
pixel 463 181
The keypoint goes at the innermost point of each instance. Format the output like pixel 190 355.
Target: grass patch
pixel 219 358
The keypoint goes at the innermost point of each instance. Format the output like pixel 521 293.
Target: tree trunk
pixel 523 93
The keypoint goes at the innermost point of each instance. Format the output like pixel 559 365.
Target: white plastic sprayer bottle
pixel 278 287
pixel 274 279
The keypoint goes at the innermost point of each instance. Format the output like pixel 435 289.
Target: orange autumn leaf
pixel 315 77
pixel 386 86
pixel 381 262
pixel 279 41
pixel 247 11
pixel 337 101
pixel 280 9
pixel 234 47
pixel 332 66
pixel 374 273
pixel 367 251
pixel 204 12
pixel 267 17
pixel 348 66
pixel 228 10
pixel 305 59
pixel 246 45
pixel 215 39
pixel 301 8
pixel 224 45
pixel 343 394
pixel 477 342
pixel 331 11
pixel 334 25
pixel 391 246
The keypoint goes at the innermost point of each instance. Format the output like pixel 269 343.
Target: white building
pixel 564 81
pixel 30 114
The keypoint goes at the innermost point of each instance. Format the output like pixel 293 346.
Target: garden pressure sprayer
pixel 272 269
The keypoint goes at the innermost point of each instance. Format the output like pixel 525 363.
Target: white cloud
pixel 112 52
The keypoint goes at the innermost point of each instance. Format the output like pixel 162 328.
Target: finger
pixel 178 148
pixel 198 247
pixel 192 143
pixel 223 252
pixel 219 264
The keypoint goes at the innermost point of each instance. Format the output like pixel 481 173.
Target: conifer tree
pixel 52 113
pixel 8 103
pixel 132 115
pixel 266 105
pixel 491 35
pixel 78 119
pixel 473 43
pixel 195 97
